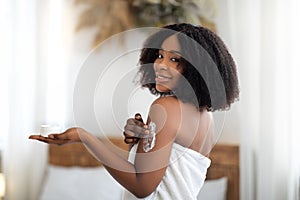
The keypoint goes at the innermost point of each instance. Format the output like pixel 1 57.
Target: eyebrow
pixel 172 51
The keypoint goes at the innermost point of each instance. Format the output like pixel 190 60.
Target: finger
pixel 49 140
pixel 133 122
pixel 35 137
pixel 58 136
pixel 138 130
pixel 129 125
pixel 138 123
pixel 135 129
pixel 130 134
pixel 130 121
pixel 138 117
pixel 131 140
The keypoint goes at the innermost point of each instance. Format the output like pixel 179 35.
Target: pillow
pixel 77 183
pixel 214 189
pixel 94 183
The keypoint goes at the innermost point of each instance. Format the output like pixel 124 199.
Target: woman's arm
pixel 142 177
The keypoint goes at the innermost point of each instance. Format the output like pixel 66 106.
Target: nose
pixel 161 65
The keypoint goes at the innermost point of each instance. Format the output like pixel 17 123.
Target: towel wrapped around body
pixel 183 178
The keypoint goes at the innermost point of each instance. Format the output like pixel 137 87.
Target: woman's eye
pixel 159 56
pixel 175 59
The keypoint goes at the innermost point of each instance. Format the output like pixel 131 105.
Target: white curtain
pixel 32 79
pixel 264 38
pixel 40 59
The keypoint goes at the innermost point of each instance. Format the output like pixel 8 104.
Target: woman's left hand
pixel 135 129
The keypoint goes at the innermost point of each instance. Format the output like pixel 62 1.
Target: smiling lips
pixel 162 78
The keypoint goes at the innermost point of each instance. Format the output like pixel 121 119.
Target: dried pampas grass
pixel 109 18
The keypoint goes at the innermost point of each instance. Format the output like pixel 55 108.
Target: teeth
pixel 159 76
pixel 161 79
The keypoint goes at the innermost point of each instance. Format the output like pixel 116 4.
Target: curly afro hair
pixel 209 78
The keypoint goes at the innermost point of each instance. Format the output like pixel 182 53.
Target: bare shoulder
pixel 169 103
pixel 166 112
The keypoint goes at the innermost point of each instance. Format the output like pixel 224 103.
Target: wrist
pixel 77 134
pixel 82 135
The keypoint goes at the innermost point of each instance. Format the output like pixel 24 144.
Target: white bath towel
pixel 184 176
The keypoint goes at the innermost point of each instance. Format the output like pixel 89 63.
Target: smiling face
pixel 166 66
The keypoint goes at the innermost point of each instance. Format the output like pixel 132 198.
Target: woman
pixel 192 72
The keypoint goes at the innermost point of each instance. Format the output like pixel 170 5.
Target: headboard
pixel 225 161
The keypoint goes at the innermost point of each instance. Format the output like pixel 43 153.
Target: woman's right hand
pixel 71 135
pixel 135 129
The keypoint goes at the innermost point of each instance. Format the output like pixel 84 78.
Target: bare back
pixel 196 129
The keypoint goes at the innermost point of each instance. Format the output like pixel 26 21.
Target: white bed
pixel 73 174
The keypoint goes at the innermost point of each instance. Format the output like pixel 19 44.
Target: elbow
pixel 144 188
pixel 143 193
